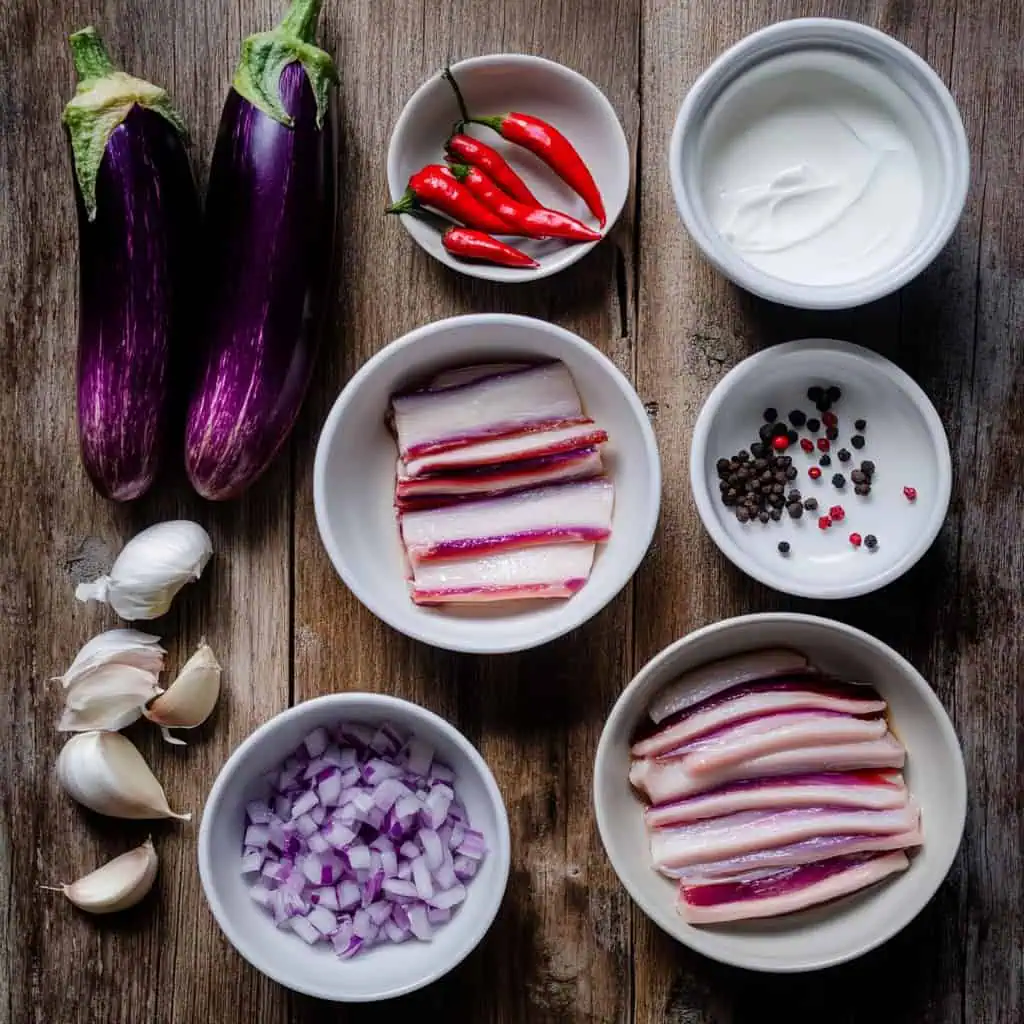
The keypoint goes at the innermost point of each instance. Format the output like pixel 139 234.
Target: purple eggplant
pixel 269 238
pixel 138 214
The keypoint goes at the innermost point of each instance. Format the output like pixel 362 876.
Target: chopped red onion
pixel 432 851
pixel 316 742
pixel 327 897
pixel 448 898
pixel 389 863
pixel 465 868
pixel 394 933
pixel 329 790
pixel 304 803
pixel 437 915
pixel 261 894
pixel 473 845
pixel 445 874
pixel 305 929
pixel 399 889
pixel 256 835
pixel 318 843
pixel 420 755
pixel 258 812
pixel 442 773
pixel 405 870
pixel 358 858
pixel 252 860
pixel 323 920
pixel 421 878
pixel 418 923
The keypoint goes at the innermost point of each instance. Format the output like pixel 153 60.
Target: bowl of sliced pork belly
pixel 487 483
pixel 780 792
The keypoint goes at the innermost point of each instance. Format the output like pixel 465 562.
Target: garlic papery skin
pixel 117 885
pixel 190 699
pixel 104 772
pixel 116 646
pixel 109 697
pixel 151 568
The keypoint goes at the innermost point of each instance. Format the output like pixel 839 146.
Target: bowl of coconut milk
pixel 819 163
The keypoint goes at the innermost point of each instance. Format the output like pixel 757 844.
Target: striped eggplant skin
pixel 133 283
pixel 269 235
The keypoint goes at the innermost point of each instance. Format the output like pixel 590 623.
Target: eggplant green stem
pixel 266 54
pixel 103 99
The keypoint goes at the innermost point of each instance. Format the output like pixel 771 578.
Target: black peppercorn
pixel 862 490
pixel 794 495
pixel 742 515
pixel 785 461
pixel 857 441
pixel 797 418
pixel 760 463
pixel 770 415
pixel 871 542
pixel 779 429
pixel 775 514
pixel 723 485
pixel 765 432
pixel 859 424
pixel 792 436
pixel 783 547
pixel 838 480
pixel 844 455
pixel 810 504
pixel 823 405
pixel 763 517
pixel 834 394
pixel 814 425
pixel 832 433
pixel 722 466
pixel 814 393
pixel 858 476
pixel 776 500
pixel 757 449
pixel 795 509
pixel 868 467
pixel 825 460
pixel 777 488
pixel 742 455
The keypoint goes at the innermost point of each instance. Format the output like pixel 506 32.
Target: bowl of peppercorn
pixel 820 469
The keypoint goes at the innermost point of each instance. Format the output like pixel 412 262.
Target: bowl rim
pixel 571 254
pixel 413 337
pixel 705 506
pixel 945 727
pixel 774 289
pixel 432 721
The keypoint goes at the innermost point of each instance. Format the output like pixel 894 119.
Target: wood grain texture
pixel 567 945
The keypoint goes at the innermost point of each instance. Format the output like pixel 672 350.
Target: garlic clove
pixel 104 772
pixel 116 646
pixel 111 682
pixel 150 570
pixel 190 699
pixel 111 716
pixel 116 885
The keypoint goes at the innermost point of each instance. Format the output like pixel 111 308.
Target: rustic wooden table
pixel 568 945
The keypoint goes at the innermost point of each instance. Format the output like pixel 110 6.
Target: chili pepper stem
pixel 407 204
pixel 463 109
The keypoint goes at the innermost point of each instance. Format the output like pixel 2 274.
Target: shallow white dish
pixel 496 84
pixel 905 439
pixel 893 76
pixel 821 936
pixel 384 971
pixel 354 475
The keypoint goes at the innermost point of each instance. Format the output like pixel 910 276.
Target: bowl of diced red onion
pixel 487 483
pixel 780 792
pixel 355 847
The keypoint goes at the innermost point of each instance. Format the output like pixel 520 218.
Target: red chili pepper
pixel 534 221
pixel 470 244
pixel 468 150
pixel 434 186
pixel 544 141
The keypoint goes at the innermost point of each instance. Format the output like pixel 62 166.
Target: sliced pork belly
pixel 792 855
pixel 527 444
pixel 749 831
pixel 788 730
pixel 787 890
pixel 572 512
pixel 663 781
pixel 488 407
pixel 708 680
pixel 749 703
pixel 468 374
pixel 549 571
pixel 864 790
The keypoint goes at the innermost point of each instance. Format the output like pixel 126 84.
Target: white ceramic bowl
pixel 826 935
pixel 496 84
pixel 386 970
pixel 898 79
pixel 904 438
pixel 354 475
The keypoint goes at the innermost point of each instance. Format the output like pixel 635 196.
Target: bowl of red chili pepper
pixel 508 167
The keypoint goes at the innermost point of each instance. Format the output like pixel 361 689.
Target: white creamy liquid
pixel 812 171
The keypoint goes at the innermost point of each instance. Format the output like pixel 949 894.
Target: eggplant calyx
pixel 266 54
pixel 101 102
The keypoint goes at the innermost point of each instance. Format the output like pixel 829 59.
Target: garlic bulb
pixel 190 699
pixel 104 771
pixel 116 646
pixel 117 885
pixel 151 568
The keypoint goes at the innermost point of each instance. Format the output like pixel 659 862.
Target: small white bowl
pixel 496 84
pixel 836 50
pixel 826 935
pixel 384 971
pixel 904 438
pixel 354 479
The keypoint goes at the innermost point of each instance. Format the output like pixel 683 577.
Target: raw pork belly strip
pixel 750 831
pixel 709 680
pixel 467 374
pixel 869 791
pixel 490 407
pixel 663 781
pixel 790 730
pixel 558 570
pixel 761 699
pixel 792 855
pixel 579 512
pixel 513 476
pixel 788 890
pixel 526 445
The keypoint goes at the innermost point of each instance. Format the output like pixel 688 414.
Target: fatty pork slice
pixel 750 702
pixel 749 831
pixel 442 489
pixel 788 890
pixel 808 851
pixel 664 781
pixel 527 444
pixel 488 407
pixel 711 679
pixel 875 791
pixel 561 513
pixel 468 374
pixel 767 734
pixel 549 571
